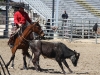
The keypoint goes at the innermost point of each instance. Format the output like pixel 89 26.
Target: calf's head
pixel 74 58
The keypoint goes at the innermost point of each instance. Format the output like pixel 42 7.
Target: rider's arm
pixel 28 19
pixel 16 18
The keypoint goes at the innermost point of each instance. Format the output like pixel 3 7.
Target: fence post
pixel 89 30
pixel 96 38
pixel 57 7
pixel 71 31
pixel 82 21
pixel 6 29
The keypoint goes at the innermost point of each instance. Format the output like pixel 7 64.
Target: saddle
pixel 15 33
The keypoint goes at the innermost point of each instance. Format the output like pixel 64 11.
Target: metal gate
pixel 73 28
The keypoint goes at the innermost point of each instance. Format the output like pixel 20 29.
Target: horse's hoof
pixel 71 71
pixel 38 70
pixel 64 73
pixel 6 66
pixel 12 67
pixel 24 68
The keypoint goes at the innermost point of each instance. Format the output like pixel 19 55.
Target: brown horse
pixel 21 42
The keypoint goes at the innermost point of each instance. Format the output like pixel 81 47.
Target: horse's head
pixel 37 29
pixel 74 58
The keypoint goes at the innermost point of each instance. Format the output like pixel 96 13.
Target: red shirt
pixel 21 18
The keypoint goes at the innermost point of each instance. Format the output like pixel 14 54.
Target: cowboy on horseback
pixel 20 23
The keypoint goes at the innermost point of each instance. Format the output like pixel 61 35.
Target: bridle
pixel 40 31
pixel 29 40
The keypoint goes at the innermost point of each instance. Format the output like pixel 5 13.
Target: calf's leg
pixel 65 63
pixel 60 64
pixel 36 61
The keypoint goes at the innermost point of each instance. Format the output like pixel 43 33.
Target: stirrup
pixel 11 45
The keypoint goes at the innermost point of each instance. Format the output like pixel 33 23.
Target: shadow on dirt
pixel 47 70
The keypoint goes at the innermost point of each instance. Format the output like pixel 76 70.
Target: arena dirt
pixel 88 64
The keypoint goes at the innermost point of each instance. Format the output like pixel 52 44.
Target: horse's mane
pixel 28 29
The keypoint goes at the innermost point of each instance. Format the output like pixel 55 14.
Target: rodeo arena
pixel 62 46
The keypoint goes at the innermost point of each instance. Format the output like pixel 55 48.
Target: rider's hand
pixel 20 25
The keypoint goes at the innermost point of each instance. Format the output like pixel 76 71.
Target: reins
pixel 21 36
pixel 24 39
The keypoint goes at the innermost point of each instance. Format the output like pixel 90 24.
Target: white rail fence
pixel 64 29
pixel 74 28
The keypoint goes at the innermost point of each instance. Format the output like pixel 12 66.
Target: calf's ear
pixel 78 54
pixel 75 51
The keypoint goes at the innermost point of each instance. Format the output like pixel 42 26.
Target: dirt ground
pixel 88 64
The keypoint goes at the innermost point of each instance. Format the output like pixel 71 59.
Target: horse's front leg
pixel 24 62
pixel 11 59
pixel 12 65
pixel 24 52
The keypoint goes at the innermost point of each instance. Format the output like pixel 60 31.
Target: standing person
pixel 20 21
pixel 64 23
pixel 21 17
pixel 65 16
pixel 48 25
pixel 48 28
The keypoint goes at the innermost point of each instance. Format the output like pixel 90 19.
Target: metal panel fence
pixel 72 28
pixel 64 29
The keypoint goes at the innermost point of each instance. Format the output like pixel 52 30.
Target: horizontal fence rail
pixel 72 28
pixel 64 29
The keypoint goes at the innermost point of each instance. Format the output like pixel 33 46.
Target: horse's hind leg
pixel 13 49
pixel 12 57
